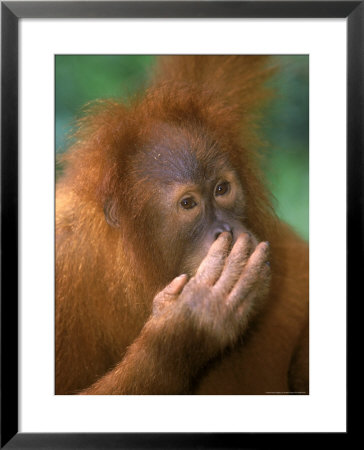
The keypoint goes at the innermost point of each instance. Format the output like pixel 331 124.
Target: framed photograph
pixel 159 177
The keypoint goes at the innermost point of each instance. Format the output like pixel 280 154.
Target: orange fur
pixel 106 278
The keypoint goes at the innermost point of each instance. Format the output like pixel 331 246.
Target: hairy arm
pixel 192 321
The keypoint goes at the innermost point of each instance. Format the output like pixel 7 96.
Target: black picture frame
pixel 11 12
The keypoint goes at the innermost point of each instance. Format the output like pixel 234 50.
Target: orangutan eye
pixel 222 188
pixel 188 203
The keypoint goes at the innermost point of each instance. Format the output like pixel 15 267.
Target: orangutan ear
pixel 111 213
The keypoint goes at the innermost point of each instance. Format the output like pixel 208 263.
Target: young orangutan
pixel 166 191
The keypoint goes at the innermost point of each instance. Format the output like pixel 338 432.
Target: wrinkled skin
pixel 213 306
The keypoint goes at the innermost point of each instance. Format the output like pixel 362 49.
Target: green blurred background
pixel 81 78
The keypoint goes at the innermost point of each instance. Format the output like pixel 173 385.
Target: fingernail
pixel 228 236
